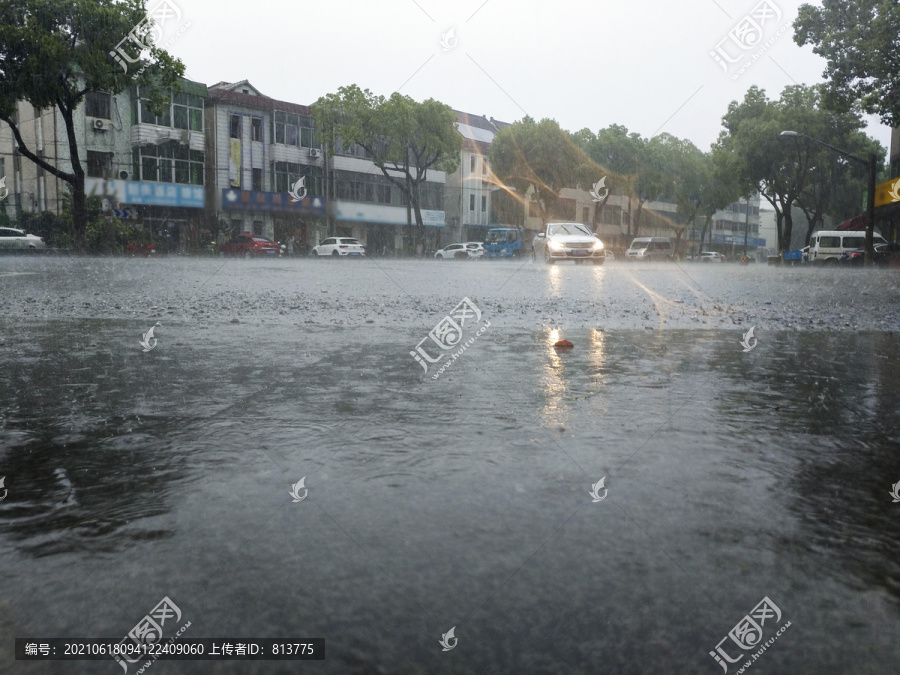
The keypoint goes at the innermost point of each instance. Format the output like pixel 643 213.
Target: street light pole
pixel 872 164
pixel 870 207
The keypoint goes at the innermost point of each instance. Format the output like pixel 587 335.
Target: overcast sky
pixel 645 64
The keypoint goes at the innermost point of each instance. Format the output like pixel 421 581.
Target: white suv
pixel 339 246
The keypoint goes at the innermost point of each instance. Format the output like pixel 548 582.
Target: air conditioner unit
pixel 123 175
pixel 313 153
pixel 101 125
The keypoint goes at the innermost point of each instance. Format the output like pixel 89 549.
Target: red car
pixel 143 250
pixel 249 246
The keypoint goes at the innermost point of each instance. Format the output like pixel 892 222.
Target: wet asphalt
pixel 463 500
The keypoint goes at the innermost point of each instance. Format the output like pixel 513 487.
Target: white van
pixel 826 246
pixel 650 248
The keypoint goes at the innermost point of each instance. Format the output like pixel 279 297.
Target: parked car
pixel 142 250
pixel 711 256
pixel 339 246
pixel 650 248
pixel 567 241
pixel 249 246
pixel 11 238
pixel 888 254
pixel 883 254
pixel 475 248
pixel 453 252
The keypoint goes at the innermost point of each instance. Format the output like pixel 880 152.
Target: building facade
pixel 471 188
pixel 266 171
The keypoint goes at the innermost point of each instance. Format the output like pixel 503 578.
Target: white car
pixel 711 256
pixel 461 251
pixel 476 249
pixel 339 246
pixel 17 239
pixel 568 241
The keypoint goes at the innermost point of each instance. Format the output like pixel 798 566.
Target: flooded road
pixel 463 501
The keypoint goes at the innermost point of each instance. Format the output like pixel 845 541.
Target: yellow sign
pixel 888 192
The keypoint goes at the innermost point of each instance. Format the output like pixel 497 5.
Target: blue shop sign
pixel 274 202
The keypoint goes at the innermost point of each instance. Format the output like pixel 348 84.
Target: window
pixel 99 164
pixel 148 117
pixel 356 150
pixel 285 175
pixel 257 180
pixel 854 242
pixel 472 164
pixel 235 131
pixel 187 111
pixel 483 203
pixel 256 129
pixel 293 129
pixel 369 187
pixel 169 162
pixel 471 202
pixel 829 242
pixel 96 104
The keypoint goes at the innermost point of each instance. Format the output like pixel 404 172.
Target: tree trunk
pixel 420 224
pixel 637 217
pixel 79 213
pixel 788 228
pixel 779 229
pixel 703 232
pixel 598 211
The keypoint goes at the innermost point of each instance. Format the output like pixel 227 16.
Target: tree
pixel 719 187
pixel 835 183
pixel 53 52
pixel 402 137
pixel 858 39
pixel 612 153
pixel 533 155
pixel 697 189
pixel 751 152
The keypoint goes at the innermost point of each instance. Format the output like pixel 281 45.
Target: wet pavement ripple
pixel 463 501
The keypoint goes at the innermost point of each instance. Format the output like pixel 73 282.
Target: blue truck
pixel 504 242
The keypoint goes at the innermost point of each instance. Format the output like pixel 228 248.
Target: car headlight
pixel 598 244
pixel 555 245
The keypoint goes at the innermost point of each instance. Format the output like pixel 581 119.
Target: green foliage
pixel 537 156
pixel 860 40
pixel 785 170
pixel 612 152
pixel 56 231
pixel 53 52
pixel 104 234
pixel 402 137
